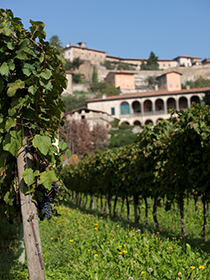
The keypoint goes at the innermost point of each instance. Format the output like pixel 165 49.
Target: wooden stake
pixel 35 266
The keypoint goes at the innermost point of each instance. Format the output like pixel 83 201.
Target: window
pixel 113 111
pixel 124 108
pixel 82 117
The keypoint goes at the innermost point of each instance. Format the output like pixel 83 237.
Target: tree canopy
pixel 56 43
pixel 198 83
pixel 152 63
pixel 72 65
pixel 73 102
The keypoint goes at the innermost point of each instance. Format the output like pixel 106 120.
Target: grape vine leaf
pixel 12 142
pixel 4 69
pixel 46 74
pixel 46 178
pixel 29 176
pixel 10 122
pixel 62 145
pixel 42 143
pixel 13 87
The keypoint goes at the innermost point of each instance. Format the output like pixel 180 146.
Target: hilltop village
pixel 137 104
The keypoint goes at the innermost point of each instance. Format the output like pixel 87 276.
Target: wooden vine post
pixel 30 221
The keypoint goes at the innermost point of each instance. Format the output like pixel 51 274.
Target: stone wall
pixel 188 74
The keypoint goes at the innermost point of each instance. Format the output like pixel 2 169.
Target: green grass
pixel 82 244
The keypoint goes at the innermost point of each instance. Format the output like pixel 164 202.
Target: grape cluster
pixel 30 148
pixel 46 208
pixel 55 187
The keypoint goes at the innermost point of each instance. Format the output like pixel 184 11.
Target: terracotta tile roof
pixel 168 73
pixel 87 110
pixel 186 56
pixel 150 94
pixel 83 48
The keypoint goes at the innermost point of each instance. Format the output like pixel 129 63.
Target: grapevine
pixel 32 78
pixel 169 161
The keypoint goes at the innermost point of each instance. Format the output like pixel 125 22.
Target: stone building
pixel 97 57
pixel 93 117
pixel 84 53
pixel 141 108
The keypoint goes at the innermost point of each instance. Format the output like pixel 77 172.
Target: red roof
pixel 186 56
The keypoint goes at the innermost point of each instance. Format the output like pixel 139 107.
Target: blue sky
pixel 124 28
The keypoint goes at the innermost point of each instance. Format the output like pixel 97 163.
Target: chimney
pixel 104 96
pixel 188 87
pixel 70 44
pixel 156 87
pixel 121 70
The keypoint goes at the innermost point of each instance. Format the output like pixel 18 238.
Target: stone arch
pixel 147 106
pixel 159 105
pixel 148 121
pixel 195 99
pixel 124 108
pixel 136 107
pixel 137 123
pixel 171 103
pixel 183 103
pixel 125 122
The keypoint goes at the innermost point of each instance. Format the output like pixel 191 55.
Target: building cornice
pixel 149 94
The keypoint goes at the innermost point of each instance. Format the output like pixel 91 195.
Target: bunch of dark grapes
pixel 46 208
pixel 55 187
pixel 30 148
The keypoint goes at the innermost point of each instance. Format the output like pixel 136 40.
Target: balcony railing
pixel 150 113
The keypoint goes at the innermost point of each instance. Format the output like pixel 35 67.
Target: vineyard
pixel 163 176
pixel 169 162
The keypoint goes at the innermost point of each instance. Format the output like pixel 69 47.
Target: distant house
pixel 92 116
pixel 121 79
pixel 206 60
pixel 187 61
pixel 170 81
pixel 136 62
pixel 80 50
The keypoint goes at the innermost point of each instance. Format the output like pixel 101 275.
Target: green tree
pixel 110 90
pixel 78 78
pixel 124 66
pixel 143 65
pixel 198 83
pixel 108 65
pixel 152 63
pixel 73 102
pixel 121 137
pixel 75 64
pixel 151 80
pixel 95 85
pixel 56 43
pixel 95 76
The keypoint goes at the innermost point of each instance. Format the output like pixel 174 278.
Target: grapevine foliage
pixel 170 161
pixel 32 77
